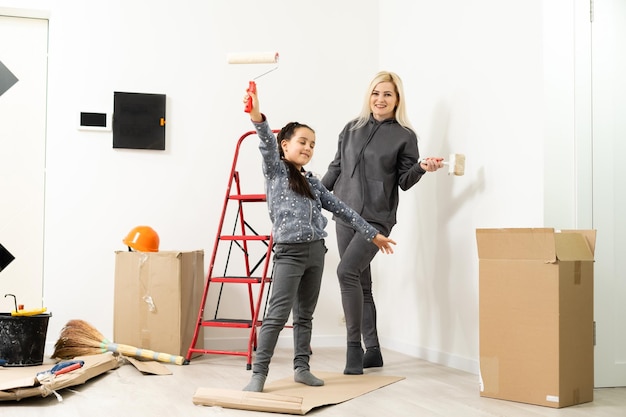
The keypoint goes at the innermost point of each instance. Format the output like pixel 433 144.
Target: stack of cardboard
pixel 18 383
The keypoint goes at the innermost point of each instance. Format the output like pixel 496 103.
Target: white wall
pixel 95 194
pixel 474 80
pixel 473 77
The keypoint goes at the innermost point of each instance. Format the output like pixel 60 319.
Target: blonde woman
pixel 377 153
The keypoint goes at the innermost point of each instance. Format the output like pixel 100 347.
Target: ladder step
pixel 238 323
pixel 239 280
pixel 244 237
pixel 255 198
pixel 218 352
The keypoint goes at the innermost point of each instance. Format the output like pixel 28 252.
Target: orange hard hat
pixel 143 239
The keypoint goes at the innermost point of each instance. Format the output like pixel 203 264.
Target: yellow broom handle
pixel 143 353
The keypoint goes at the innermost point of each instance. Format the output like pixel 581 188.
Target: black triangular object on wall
pixel 5 257
pixel 7 79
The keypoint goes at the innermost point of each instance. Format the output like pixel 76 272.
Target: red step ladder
pixel 253 275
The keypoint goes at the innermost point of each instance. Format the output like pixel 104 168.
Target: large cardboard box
pixel 157 298
pixel 536 315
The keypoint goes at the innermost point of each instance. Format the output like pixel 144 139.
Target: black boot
pixel 372 358
pixel 354 359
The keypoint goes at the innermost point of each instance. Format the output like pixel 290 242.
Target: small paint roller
pixel 254 58
pixel 455 163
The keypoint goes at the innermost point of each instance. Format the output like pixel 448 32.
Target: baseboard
pixel 434 356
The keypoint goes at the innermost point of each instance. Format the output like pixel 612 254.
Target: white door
pixel 609 189
pixel 23 53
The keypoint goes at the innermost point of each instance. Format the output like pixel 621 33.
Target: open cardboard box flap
pixel 21 382
pixel 545 244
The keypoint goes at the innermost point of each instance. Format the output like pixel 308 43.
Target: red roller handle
pixel 251 89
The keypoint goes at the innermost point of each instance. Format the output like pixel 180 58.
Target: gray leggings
pixel 297 278
pixel 355 281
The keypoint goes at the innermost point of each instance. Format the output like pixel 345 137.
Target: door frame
pixel 610 368
pixel 22 225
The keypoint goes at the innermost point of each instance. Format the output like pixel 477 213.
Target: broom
pixel 79 338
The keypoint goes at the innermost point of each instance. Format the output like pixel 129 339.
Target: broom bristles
pixel 78 338
pixel 70 352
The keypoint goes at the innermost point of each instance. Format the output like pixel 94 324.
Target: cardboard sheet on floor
pixel 21 382
pixel 149 367
pixel 289 397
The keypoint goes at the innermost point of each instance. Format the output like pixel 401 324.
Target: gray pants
pixel 297 278
pixel 355 281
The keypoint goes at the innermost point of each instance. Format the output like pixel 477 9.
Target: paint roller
pixel 455 163
pixel 254 58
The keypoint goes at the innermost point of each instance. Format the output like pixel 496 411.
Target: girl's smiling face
pixel 299 149
pixel 383 101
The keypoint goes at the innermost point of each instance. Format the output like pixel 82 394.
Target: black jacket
pixel 370 164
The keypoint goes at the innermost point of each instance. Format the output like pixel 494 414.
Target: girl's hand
pixel 383 243
pixel 255 112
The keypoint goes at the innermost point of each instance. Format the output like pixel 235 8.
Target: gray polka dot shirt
pixel 297 218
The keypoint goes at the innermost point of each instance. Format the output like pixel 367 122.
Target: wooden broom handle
pixel 144 353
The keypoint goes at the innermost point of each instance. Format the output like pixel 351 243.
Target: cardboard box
pixel 157 298
pixel 536 315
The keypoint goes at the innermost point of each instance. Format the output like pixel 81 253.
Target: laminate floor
pixel 427 390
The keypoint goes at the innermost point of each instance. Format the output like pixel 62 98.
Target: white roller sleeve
pixel 253 58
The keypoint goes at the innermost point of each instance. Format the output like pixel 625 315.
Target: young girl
pixel 295 200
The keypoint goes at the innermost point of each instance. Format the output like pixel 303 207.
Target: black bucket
pixel 23 339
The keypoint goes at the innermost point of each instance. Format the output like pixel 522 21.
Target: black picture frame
pixel 139 120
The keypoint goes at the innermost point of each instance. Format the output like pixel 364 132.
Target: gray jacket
pixel 370 164
pixel 296 218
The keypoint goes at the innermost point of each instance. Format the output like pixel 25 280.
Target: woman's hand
pixel 431 164
pixel 383 243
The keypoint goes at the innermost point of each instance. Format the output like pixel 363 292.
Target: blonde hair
pixel 400 112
